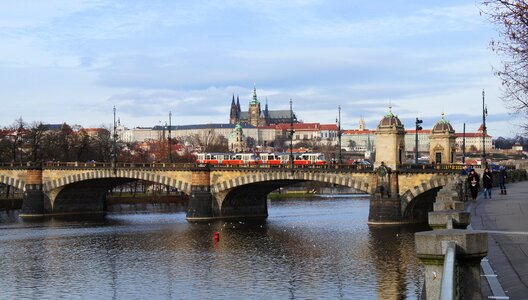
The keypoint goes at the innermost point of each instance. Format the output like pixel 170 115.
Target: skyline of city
pixel 76 61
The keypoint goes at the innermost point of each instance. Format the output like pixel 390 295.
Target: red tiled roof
pixel 299 126
pixel 424 131
pixel 471 134
pixel 329 127
pixel 357 131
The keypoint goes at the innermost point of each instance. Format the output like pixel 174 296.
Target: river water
pixel 314 248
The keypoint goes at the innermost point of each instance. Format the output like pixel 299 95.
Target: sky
pixel 73 61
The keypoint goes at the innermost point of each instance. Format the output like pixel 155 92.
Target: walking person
pixel 473 180
pixel 502 179
pixel 487 180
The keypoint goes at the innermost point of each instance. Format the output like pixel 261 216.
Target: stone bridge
pixel 403 195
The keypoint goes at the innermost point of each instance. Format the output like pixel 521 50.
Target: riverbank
pixel 288 195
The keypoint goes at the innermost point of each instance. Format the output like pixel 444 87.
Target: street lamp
pixel 339 133
pixel 114 156
pixel 170 138
pixel 464 145
pixel 291 135
pixel 484 131
pixel 418 127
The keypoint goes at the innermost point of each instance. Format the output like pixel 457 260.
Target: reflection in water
pixel 307 248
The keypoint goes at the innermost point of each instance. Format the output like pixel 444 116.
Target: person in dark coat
pixel 487 180
pixel 502 179
pixel 474 183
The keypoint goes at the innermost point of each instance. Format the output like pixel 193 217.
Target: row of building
pixel 243 136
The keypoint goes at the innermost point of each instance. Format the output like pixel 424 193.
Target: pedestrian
pixel 502 179
pixel 487 180
pixel 473 180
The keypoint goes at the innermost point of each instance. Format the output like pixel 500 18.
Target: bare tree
pixel 103 144
pixel 511 18
pixel 18 129
pixel 208 141
pixel 35 138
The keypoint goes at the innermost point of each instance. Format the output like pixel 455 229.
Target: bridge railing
pixel 164 165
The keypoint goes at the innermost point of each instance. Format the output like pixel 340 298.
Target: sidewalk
pixel 505 217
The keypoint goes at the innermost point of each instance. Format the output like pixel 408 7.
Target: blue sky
pixel 72 61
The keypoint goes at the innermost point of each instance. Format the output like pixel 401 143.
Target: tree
pixel 103 144
pixel 511 17
pixel 18 132
pixel 35 137
pixel 208 141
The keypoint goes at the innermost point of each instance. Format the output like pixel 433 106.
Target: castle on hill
pixel 257 117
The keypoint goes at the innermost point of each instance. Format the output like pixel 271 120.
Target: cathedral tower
pixel 254 109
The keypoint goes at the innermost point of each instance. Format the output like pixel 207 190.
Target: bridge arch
pixel 339 179
pixel 417 201
pixel 19 184
pixel 119 174
pixel 246 195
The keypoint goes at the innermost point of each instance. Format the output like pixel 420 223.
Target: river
pixel 313 248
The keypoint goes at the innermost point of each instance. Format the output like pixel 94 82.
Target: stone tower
pixel 443 143
pixel 390 142
pixel 236 140
pixel 361 124
pixel 254 109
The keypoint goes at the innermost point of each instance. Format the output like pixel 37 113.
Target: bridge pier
pixel 201 200
pixel 385 203
pixel 33 204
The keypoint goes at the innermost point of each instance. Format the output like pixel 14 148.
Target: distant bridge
pixel 402 195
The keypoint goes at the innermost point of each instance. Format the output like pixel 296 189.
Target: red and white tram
pixel 267 159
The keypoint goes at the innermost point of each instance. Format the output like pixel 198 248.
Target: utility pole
pixel 484 132
pixel 339 133
pixel 464 145
pixel 291 136
pixel 170 137
pixel 418 127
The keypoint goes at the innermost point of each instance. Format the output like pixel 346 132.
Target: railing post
pixel 448 289
pixel 471 247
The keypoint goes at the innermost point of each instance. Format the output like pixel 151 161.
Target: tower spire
pixel 255 99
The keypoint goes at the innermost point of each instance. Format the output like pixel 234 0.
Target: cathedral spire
pixel 255 99
pixel 238 106
pixel 233 114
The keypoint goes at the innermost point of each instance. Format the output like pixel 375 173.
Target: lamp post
pixel 114 152
pixel 339 133
pixel 291 136
pixel 170 137
pixel 464 145
pixel 484 131
pixel 418 127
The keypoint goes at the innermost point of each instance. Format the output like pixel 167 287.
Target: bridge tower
pixel 390 141
pixel 385 203
pixel 443 143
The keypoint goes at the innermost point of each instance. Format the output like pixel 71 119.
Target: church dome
pixel 443 126
pixel 390 120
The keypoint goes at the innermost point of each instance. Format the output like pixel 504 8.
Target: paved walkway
pixel 505 217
